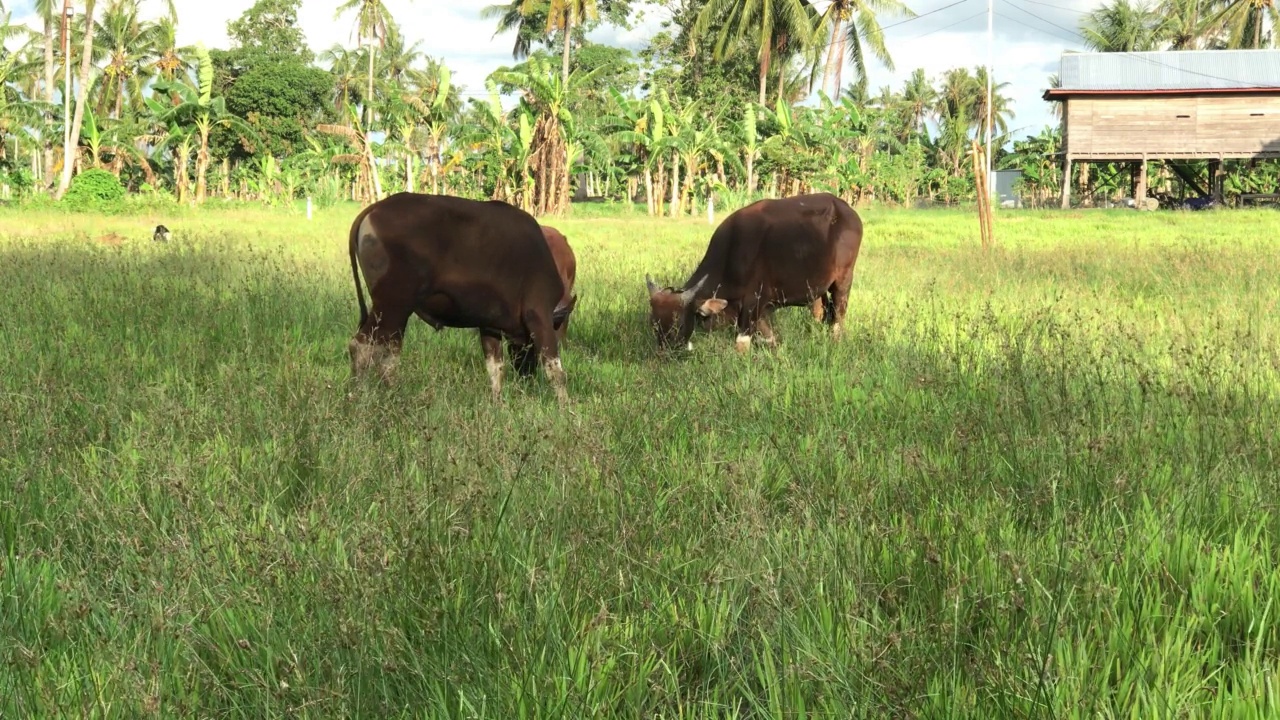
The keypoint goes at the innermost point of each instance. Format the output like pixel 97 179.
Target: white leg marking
pixel 689 345
pixel 494 367
pixel 836 331
pixel 390 361
pixel 366 355
pixel 555 373
pixel 744 342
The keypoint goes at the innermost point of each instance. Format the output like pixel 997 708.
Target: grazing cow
pixel 522 357
pixel 795 251
pixel 459 263
pixel 161 234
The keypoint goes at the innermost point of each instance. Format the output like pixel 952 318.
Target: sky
pixel 1030 36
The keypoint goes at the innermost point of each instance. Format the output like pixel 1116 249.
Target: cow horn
pixel 686 297
pixel 653 289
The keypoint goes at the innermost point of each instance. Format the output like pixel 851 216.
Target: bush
pixel 96 190
pixel 20 181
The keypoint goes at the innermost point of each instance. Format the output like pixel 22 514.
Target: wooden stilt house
pixel 1140 107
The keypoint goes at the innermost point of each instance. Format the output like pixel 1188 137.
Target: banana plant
pixel 198 108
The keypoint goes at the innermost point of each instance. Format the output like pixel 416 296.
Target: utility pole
pixel 990 43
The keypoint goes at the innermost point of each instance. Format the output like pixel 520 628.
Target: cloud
pixel 1030 35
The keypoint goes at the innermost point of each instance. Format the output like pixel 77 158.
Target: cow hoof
pixel 743 343
pixel 837 332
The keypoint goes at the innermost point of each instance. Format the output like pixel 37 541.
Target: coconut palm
pixel 344 66
pixel 1242 21
pixel 82 91
pixel 846 24
pixel 132 45
pixel 529 25
pixel 1121 26
pixel 919 99
pixel 772 23
pixel 372 21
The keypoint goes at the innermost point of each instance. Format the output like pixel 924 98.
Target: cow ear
pixel 711 306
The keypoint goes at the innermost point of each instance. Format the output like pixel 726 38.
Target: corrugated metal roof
pixel 1171 70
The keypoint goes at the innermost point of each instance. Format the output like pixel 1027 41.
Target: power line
pixel 1144 58
pixel 978 14
pixel 1012 19
pixel 1058 7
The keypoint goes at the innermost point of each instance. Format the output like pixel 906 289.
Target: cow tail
pixel 355 269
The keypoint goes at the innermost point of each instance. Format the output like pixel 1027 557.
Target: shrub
pixel 96 190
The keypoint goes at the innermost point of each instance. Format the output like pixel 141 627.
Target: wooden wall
pixel 1126 127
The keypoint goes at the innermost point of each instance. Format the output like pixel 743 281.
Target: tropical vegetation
pixel 730 100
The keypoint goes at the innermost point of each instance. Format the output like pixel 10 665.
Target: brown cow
pixel 769 254
pixel 523 357
pixel 459 263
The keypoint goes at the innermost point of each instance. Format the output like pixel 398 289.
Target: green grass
pixel 1038 484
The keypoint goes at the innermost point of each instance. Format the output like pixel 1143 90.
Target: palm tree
pixel 48 11
pixel 1183 26
pixel 774 23
pixel 344 66
pixel 529 25
pixel 17 113
pixel 169 56
pixel 397 59
pixel 919 99
pixel 1000 105
pixel 528 16
pixel 131 45
pixel 72 137
pixel 1242 21
pixel 564 14
pixel 849 23
pixel 1121 27
pixel 372 20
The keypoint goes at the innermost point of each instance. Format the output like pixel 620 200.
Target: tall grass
pixel 1038 484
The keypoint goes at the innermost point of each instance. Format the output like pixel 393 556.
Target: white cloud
pixel 1030 35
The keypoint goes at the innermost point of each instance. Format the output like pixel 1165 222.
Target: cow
pixel 457 263
pixel 522 357
pixel 161 234
pixel 796 251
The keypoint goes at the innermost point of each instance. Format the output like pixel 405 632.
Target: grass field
pixel 1038 484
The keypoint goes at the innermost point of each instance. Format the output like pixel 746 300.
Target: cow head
pixel 673 313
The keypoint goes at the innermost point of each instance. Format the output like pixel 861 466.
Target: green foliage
pixel 1035 483
pixel 270 29
pixel 19 179
pixel 282 99
pixel 669 67
pixel 94 190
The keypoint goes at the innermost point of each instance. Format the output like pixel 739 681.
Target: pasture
pixel 1041 483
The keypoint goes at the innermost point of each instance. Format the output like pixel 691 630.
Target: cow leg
pixel 523 358
pixel 817 307
pixel 377 343
pixel 839 303
pixel 492 346
pixel 748 318
pixel 764 326
pixel 542 332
